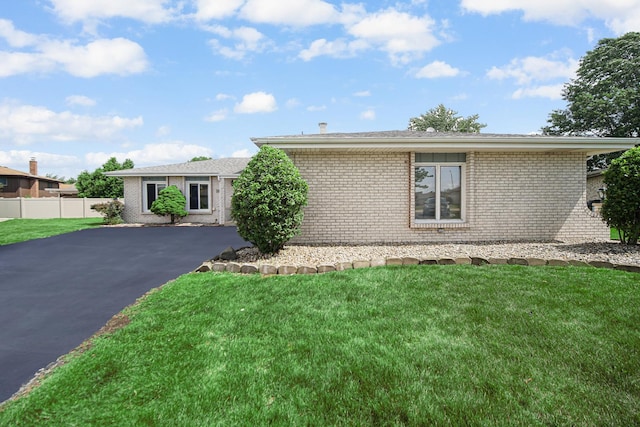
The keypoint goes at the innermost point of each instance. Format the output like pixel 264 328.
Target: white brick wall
pixel 357 197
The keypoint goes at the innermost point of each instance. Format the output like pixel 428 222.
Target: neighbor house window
pixel 151 186
pixel 198 193
pixel 438 190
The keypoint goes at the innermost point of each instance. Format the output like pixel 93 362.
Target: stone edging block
pixel 268 270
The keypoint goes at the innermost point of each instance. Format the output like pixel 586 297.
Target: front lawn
pixel 20 230
pixel 422 345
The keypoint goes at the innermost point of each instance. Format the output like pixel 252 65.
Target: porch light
pixel 601 193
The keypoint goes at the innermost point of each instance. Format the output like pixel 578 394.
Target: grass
pixel 422 345
pixel 20 230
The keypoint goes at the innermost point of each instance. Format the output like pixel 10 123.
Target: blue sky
pixel 162 81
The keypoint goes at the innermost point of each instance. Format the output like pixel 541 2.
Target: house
pixel 417 187
pixel 206 184
pixel 14 183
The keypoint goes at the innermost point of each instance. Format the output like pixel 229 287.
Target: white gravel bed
pixel 294 255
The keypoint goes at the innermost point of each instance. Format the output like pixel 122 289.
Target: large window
pixel 151 186
pixel 439 195
pixel 198 190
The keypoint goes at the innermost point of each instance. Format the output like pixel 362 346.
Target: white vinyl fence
pixel 50 207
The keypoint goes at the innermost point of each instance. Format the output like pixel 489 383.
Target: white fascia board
pixel 589 146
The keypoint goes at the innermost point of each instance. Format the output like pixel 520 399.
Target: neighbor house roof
pixel 407 140
pixel 5 171
pixel 228 167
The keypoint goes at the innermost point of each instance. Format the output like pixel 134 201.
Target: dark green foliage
pixel 172 202
pixel 604 99
pixel 200 158
pixel 268 198
pixel 111 211
pixel 442 119
pixel 621 206
pixel 96 184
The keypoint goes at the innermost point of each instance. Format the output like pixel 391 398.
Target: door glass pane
pixel 450 194
pixel 193 196
pixel 425 195
pixel 204 196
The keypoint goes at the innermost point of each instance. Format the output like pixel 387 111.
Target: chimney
pixel 323 127
pixel 33 166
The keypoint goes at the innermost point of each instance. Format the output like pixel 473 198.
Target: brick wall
pixel 357 197
pixel 133 212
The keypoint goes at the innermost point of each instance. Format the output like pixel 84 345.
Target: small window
pixel 3 181
pixel 438 188
pixel 198 189
pixel 151 187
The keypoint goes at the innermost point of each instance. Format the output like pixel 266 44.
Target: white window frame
pixel 160 183
pixel 438 166
pixel 200 180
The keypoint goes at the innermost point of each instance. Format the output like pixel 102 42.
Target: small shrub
pixel 111 211
pixel 172 202
pixel 621 206
pixel 267 200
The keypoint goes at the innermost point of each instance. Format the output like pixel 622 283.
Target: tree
pixel 170 201
pixel 267 200
pixel 199 158
pixel 621 206
pixel 443 119
pixel 96 184
pixel 604 98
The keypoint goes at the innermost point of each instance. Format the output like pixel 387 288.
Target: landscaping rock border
pixel 270 270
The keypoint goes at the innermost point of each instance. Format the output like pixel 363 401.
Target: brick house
pixel 15 183
pixel 206 185
pixel 407 186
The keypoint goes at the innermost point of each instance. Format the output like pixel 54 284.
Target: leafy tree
pixel 267 200
pixel 199 158
pixel 96 184
pixel 111 211
pixel 604 98
pixel 443 119
pixel 170 201
pixel 621 206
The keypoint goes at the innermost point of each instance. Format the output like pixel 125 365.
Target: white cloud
pixel 216 9
pixel 257 102
pixel 23 124
pixel 620 16
pixel 292 103
pixel 362 93
pixel 243 153
pixel 47 162
pixel 313 108
pixel 149 11
pixel 14 37
pixel 246 40
pixel 163 131
pixel 102 56
pixel 296 13
pixel 217 116
pixel 152 154
pixel 539 77
pixel 545 91
pixel 224 97
pixel 368 115
pixel 403 36
pixel 532 68
pixel 339 48
pixel 83 101
pixel 437 69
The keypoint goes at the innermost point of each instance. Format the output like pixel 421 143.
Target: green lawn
pixel 421 345
pixel 20 230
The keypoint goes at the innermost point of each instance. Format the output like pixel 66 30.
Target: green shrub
pixel 267 201
pixel 111 211
pixel 621 206
pixel 170 201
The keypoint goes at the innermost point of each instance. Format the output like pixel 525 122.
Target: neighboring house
pixel 407 186
pixel 14 183
pixel 206 184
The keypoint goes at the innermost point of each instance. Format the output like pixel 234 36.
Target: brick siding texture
pixel 359 197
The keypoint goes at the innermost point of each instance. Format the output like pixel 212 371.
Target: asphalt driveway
pixel 58 291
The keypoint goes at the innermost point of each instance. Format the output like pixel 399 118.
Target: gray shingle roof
pixel 214 167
